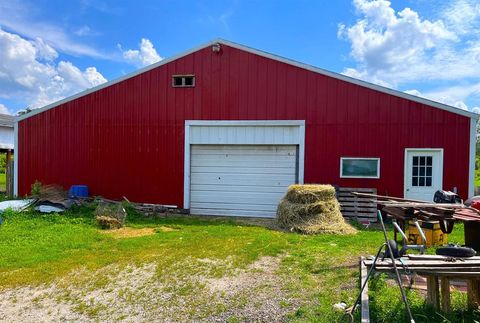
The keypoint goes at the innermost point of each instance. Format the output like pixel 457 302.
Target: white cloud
pixel 145 55
pixel 18 17
pixel 28 72
pixel 394 46
pixel 454 96
pixel 397 48
pixel 85 31
pixel 462 15
pixel 4 109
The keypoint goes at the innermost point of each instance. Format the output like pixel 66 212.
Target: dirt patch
pixel 253 295
pixel 128 232
pixel 151 293
pixel 167 229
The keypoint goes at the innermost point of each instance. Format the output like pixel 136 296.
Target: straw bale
pixel 310 193
pixel 312 209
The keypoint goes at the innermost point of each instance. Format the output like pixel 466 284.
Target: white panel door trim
pixel 406 171
pixel 472 152
pixel 300 141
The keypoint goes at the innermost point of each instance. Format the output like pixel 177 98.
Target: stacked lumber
pixel 147 209
pixel 407 209
pixel 431 265
pixel 359 208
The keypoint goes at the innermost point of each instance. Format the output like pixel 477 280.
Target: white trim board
pixel 15 159
pixel 295 140
pixel 263 54
pixel 472 152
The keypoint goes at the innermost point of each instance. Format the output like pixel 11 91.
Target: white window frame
pixel 362 158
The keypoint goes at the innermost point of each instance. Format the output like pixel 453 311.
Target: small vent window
pixel 183 81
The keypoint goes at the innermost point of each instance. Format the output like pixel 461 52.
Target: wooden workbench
pixel 439 270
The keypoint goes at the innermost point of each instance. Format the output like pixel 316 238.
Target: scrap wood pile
pixel 147 209
pixel 312 209
pixel 51 198
pixel 431 264
pixel 404 209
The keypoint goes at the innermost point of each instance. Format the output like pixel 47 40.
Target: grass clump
pixel 312 209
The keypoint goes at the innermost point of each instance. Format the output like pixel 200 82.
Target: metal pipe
pixel 395 224
pixel 422 234
pixel 397 274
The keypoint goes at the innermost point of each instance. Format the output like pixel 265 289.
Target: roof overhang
pixel 263 54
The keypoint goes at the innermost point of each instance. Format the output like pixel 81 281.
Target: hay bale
pixel 108 222
pixel 312 209
pixel 110 216
pixel 310 193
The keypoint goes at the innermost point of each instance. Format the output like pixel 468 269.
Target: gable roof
pixel 7 120
pixel 263 54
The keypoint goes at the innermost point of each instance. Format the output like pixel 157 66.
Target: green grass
pixel 37 248
pixel 3 182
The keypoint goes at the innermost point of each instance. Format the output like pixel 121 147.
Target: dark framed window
pixel 183 80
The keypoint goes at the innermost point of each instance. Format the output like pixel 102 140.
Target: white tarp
pixel 15 205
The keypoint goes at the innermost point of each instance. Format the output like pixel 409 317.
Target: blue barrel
pixel 78 191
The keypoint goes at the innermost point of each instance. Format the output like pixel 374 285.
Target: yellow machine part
pixel 432 231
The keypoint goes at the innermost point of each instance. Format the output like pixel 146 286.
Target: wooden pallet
pixel 358 208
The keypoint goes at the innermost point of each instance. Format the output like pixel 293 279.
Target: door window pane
pixel 422 169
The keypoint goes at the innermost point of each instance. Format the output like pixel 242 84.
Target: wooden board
pixel 365 308
pixel 362 209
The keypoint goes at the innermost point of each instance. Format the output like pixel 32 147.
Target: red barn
pixel 224 129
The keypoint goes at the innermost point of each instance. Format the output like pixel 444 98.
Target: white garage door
pixel 242 180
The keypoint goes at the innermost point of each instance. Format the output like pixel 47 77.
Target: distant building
pixel 6 132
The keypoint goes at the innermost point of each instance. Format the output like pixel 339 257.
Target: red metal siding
pixel 127 139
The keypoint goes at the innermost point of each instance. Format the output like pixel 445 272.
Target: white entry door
pixel 242 180
pixel 423 173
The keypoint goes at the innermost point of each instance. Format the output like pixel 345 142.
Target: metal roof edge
pixel 260 53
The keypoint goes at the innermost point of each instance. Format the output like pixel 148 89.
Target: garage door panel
pixel 227 212
pixel 240 180
pixel 241 157
pixel 243 179
pixel 237 188
pixel 242 170
pixel 231 206
pixel 240 163
pixel 242 150
pixel 265 198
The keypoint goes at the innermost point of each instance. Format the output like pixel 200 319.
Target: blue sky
pixel 53 49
